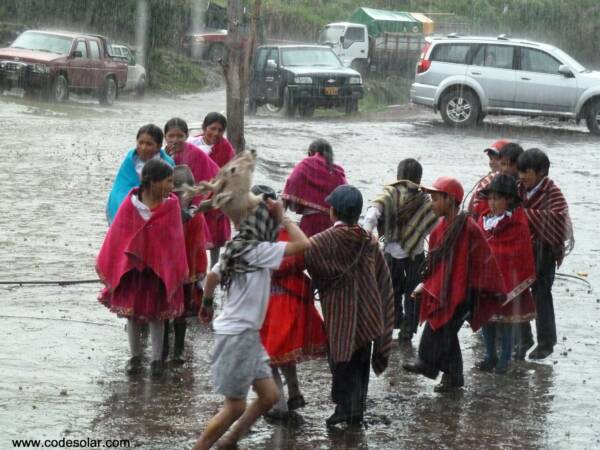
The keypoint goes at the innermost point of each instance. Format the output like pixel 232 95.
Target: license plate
pixel 331 91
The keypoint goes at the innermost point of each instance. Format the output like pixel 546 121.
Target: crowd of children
pixel 491 265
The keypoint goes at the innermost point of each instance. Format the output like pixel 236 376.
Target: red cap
pixel 496 146
pixel 448 185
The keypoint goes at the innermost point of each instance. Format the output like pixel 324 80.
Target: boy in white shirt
pixel 239 359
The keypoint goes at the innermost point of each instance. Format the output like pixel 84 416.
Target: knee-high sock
pixel 134 331
pixel 157 335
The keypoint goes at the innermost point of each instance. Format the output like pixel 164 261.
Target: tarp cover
pixel 379 21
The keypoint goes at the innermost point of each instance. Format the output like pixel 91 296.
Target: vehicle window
pixel 331 35
pixel 43 42
pixel 499 56
pixel 81 47
pixel 355 34
pixel 537 61
pixel 94 50
pixel 261 59
pixel 274 55
pixel 309 56
pixel 451 53
pixel 129 55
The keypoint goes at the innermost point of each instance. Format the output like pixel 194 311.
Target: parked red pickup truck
pixel 56 63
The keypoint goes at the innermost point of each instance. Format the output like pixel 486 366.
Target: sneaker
pixel 541 352
pixel 157 368
pixel 134 365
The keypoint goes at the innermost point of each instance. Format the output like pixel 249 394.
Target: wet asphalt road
pixel 62 354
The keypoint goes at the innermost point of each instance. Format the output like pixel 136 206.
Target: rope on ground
pixel 85 322
pixel 48 282
pixel 566 276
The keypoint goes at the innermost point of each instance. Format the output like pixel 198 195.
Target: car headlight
pixel 303 80
pixel 40 68
pixel 355 80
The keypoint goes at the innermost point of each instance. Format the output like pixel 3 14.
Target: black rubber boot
pixel 179 328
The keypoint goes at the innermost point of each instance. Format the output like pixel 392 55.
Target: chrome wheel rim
pixel 459 109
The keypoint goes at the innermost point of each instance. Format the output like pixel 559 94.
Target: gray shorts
pixel 238 360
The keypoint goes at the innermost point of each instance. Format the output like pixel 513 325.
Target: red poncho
pixel 143 263
pixel 293 330
pixel 511 245
pixel 479 203
pixel 470 270
pixel 195 246
pixel 202 166
pixel 548 214
pixel 306 188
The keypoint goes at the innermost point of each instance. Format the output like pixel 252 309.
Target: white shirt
pixel 139 164
pixel 491 222
pixel 144 211
pixel 393 247
pixel 534 190
pixel 246 305
pixel 199 142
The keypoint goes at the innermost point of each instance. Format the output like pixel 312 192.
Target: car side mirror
pixel 565 71
pixel 77 54
pixel 271 64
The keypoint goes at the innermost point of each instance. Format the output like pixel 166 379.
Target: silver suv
pixel 466 78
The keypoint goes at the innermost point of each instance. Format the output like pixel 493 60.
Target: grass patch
pixel 176 74
pixel 381 92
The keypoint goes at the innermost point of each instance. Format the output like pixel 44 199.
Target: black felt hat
pixel 346 199
pixel 503 184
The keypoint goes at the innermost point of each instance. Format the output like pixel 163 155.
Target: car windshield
pixel 309 57
pixel 569 61
pixel 330 35
pixel 44 42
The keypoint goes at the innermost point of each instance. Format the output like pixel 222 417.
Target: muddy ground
pixel 62 354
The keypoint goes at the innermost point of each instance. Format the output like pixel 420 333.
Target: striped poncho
pixel 407 215
pixel 355 290
pixel 549 220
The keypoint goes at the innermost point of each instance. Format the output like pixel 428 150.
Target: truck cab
pixel 350 42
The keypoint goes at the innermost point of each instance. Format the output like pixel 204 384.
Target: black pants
pixel 439 350
pixel 351 381
pixel 545 322
pixel 406 275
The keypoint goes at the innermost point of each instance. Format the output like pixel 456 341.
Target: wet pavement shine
pixel 62 355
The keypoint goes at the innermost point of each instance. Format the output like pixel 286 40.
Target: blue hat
pixel 346 200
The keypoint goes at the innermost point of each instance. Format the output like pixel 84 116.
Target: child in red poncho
pixel 194 226
pixel 142 261
pixel 507 232
pixel 461 282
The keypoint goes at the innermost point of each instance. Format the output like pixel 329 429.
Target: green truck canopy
pixel 379 21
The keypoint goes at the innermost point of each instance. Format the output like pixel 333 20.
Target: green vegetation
pixel 379 92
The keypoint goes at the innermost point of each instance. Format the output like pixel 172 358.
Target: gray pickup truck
pixel 300 78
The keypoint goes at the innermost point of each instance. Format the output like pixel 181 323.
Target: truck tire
pixel 59 90
pixel 217 53
pixel 593 118
pixel 140 89
pixel 460 108
pixel 108 93
pixel 351 106
pixel 289 105
pixel 306 110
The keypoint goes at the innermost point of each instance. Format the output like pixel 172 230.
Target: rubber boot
pixel 179 328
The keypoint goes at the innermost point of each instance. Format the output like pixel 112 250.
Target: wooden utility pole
pixel 241 39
